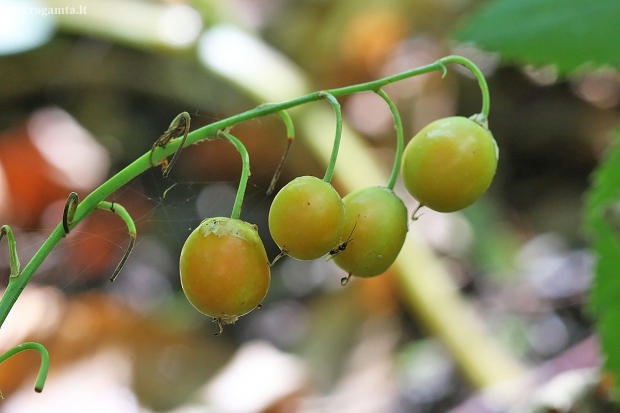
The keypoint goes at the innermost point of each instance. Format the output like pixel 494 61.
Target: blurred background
pixel 485 305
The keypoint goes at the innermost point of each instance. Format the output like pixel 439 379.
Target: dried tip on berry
pixel 345 280
pixel 220 326
pixel 283 253
pixel 221 321
pixel 415 217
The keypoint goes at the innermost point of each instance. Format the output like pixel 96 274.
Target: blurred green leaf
pixel 602 220
pixel 564 33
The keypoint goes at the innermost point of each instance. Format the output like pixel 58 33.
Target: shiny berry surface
pixel 449 164
pixel 224 268
pixel 376 220
pixel 306 218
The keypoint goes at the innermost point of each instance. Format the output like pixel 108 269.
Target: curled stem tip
pixel 13 258
pixel 121 264
pixel 178 127
pixel 345 280
pixel 290 137
pixel 400 138
pixel 69 211
pixel 45 361
pixel 131 229
pixel 329 173
pixel 444 69
pixel 245 172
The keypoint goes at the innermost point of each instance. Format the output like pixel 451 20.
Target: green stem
pixel 400 138
pixel 329 173
pixel 14 259
pixel 245 172
pixel 17 284
pixel 45 361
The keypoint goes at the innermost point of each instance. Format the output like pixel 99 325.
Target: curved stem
pixel 482 82
pixel 17 284
pixel 290 137
pixel 13 258
pixel 245 172
pixel 329 173
pixel 131 228
pixel 45 361
pixel 400 138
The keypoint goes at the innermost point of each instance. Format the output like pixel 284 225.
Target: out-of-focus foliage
pixel 570 35
pixel 564 33
pixel 603 223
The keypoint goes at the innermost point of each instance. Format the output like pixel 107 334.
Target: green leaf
pixel 602 221
pixel 564 33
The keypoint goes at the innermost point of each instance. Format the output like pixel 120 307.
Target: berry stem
pixel 329 173
pixel 400 138
pixel 245 172
pixel 484 88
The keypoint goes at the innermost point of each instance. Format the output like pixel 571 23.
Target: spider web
pixel 164 211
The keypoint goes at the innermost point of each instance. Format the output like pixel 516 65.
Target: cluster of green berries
pixel 224 268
